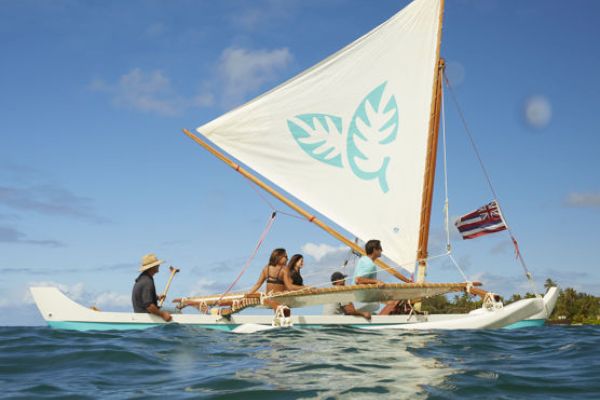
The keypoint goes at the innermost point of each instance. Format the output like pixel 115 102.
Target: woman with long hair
pixel 292 279
pixel 273 273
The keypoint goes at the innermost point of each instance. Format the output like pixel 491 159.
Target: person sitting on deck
pixel 366 270
pixel 273 273
pixel 339 279
pixel 292 279
pixel 143 295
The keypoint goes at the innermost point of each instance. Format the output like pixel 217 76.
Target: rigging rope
pixel 518 254
pixel 260 241
pixel 446 202
pixel 261 195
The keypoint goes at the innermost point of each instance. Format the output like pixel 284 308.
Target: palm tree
pixel 569 300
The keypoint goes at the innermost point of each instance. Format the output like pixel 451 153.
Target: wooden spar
pixel 394 290
pixel 432 144
pixel 292 205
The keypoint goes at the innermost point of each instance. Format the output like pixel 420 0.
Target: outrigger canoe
pixel 61 312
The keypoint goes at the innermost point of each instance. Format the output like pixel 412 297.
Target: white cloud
pixel 75 292
pixel 243 71
pixel 320 251
pixel 583 200
pixel 112 299
pixel 321 260
pixel 204 286
pixel 150 92
pixel 238 73
pixel 537 111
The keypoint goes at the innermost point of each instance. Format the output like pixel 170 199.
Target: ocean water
pixel 183 362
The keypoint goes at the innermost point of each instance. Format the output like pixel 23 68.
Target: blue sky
pixel 95 172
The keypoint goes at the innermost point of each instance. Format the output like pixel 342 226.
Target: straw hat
pixel 149 261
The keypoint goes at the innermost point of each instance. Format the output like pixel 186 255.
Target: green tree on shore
pixel 571 306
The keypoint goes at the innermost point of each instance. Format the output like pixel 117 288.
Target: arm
pixel 350 310
pixel 148 298
pixel 287 281
pixel 366 273
pixel 367 281
pixel 260 281
pixel 153 309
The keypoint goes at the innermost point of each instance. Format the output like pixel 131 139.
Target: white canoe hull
pixel 63 313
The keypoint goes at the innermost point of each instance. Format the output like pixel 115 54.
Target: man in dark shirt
pixel 339 279
pixel 144 296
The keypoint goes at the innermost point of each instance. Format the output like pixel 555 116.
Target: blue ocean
pixel 178 362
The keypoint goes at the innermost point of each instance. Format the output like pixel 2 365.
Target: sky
pixel 95 172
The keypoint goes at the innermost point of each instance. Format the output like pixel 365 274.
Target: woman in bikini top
pixel 273 273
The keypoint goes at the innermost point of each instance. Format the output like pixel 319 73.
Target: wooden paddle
pixel 164 295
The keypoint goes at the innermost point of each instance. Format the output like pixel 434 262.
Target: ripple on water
pixel 339 362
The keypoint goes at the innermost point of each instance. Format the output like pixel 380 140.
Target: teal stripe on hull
pixel 527 323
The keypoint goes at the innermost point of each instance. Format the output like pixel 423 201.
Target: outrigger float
pixel 355 138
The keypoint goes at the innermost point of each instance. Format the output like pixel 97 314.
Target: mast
pixel 432 144
pixel 292 205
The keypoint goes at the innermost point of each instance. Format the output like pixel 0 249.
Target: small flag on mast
pixel 483 221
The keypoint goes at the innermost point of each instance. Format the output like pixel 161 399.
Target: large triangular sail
pixel 348 137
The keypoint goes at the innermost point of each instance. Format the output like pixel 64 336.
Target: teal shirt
pixel 365 268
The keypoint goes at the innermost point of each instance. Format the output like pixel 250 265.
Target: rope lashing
pixel 260 241
pixel 469 286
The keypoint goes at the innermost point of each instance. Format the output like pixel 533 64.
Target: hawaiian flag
pixel 482 221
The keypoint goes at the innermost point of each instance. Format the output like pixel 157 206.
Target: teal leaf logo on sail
pixel 320 136
pixel 374 125
pixel 372 128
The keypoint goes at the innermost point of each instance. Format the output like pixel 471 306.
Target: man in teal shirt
pixel 366 270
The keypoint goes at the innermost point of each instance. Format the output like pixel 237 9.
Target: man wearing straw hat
pixel 144 296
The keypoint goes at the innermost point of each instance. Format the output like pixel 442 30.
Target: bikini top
pixel 274 280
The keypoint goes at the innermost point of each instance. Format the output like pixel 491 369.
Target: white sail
pixel 348 137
